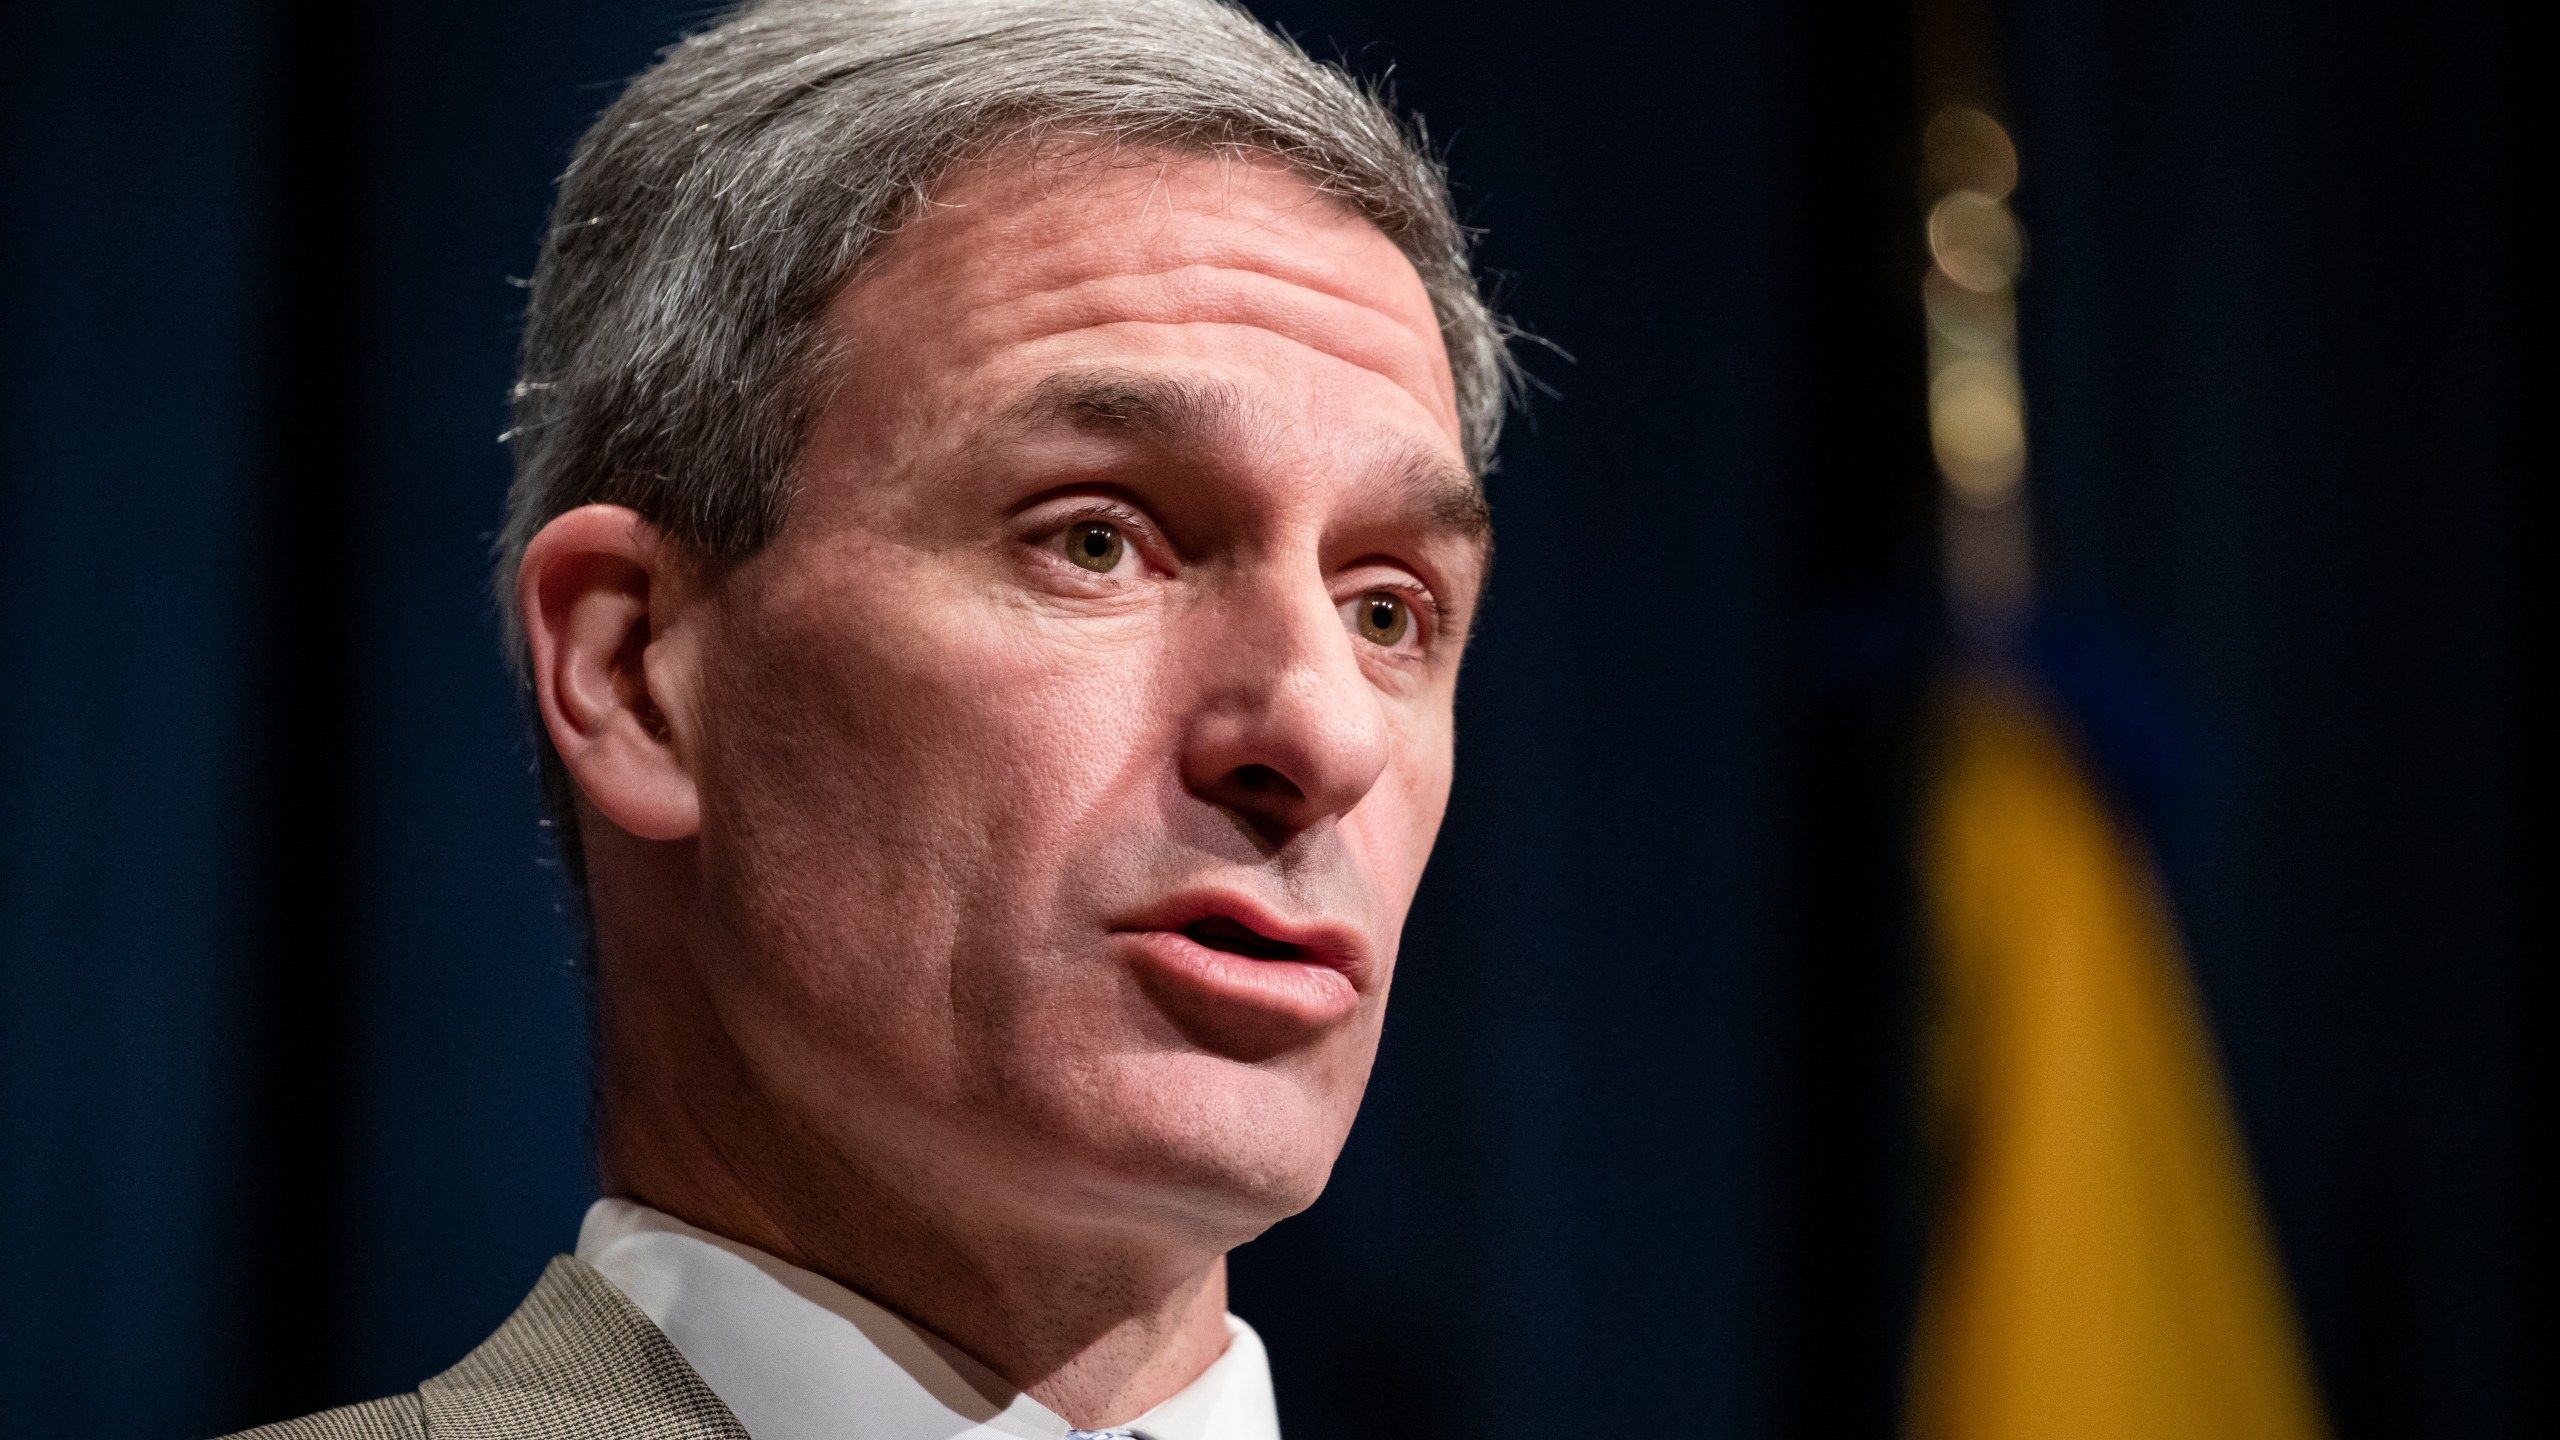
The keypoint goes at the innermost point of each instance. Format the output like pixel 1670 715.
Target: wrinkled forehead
pixel 1028 258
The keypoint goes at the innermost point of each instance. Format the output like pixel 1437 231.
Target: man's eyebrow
pixel 1436 499
pixel 1442 497
pixel 1451 501
pixel 1155 406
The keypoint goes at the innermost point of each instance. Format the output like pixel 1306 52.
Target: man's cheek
pixel 1395 828
pixel 1091 714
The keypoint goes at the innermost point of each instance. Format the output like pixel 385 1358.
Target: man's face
pixel 1069 760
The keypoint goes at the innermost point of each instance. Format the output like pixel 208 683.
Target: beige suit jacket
pixel 577 1361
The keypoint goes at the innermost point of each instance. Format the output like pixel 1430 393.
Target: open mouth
pixel 1220 932
pixel 1215 963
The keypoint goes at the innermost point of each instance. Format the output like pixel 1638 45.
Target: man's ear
pixel 601 592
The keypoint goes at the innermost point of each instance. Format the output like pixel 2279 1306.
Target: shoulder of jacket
pixel 401 1417
pixel 577 1361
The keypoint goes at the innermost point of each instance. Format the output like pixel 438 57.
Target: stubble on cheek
pixel 899 793
pixel 831 843
pixel 926 800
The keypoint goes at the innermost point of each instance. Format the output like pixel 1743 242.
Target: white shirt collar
pixel 796 1356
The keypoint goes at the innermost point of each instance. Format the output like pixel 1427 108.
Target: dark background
pixel 291 1065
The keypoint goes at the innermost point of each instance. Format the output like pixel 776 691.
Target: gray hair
pixel 672 352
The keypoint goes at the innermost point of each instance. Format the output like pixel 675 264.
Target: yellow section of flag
pixel 2100 1270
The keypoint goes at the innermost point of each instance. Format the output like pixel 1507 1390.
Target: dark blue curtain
pixel 2275 342
pixel 294 1074
pixel 292 1070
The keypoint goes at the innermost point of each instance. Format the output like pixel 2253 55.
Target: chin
pixel 1220 1147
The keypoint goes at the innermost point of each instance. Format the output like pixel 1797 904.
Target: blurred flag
pixel 2100 1269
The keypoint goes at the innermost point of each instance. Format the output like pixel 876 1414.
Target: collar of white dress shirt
pixel 796 1356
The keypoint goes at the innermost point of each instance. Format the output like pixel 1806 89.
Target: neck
pixel 1100 1322
pixel 1099 1328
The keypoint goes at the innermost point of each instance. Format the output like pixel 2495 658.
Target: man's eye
pixel 1097 545
pixel 1382 617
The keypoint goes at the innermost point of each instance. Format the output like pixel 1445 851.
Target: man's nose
pixel 1289 731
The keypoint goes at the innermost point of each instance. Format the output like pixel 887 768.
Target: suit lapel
pixel 577 1361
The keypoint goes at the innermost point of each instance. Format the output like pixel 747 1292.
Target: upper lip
pixel 1315 942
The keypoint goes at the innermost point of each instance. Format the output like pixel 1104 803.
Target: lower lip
pixel 1299 991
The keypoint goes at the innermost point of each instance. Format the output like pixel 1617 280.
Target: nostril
pixel 1263 780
